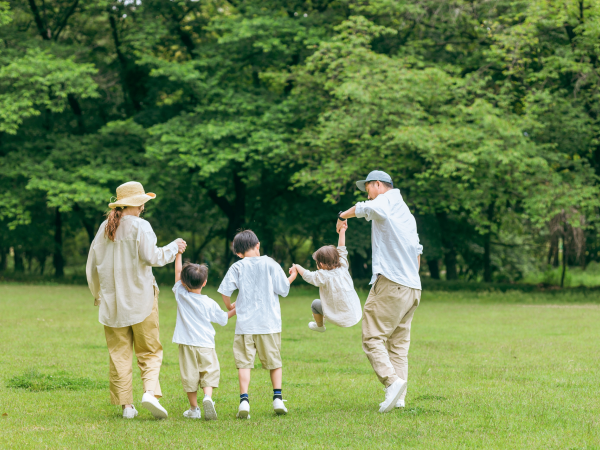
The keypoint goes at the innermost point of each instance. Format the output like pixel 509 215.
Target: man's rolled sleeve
pixel 360 210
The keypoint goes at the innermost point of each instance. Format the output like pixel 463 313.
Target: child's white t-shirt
pixel 260 281
pixel 195 312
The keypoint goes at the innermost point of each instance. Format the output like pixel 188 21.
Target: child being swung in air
pixel 339 302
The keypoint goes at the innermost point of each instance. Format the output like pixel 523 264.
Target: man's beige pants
pixel 386 328
pixel 149 353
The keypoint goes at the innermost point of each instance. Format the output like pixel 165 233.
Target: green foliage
pixel 40 82
pixel 262 114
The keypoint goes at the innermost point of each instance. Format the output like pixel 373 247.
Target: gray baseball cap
pixel 376 175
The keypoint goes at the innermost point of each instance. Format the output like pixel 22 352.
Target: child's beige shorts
pixel 199 366
pixel 268 347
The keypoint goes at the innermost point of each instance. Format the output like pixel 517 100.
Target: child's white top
pixel 260 281
pixel 195 312
pixel 340 302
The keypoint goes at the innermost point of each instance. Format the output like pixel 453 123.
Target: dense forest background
pixel 261 114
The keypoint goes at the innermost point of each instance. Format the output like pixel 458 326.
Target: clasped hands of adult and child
pixel 341 225
pixel 181 245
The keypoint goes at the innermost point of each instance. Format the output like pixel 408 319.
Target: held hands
pixel 341 225
pixel 181 245
pixel 293 270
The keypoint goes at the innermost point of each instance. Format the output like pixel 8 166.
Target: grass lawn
pixel 487 370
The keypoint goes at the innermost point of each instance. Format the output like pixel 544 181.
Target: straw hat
pixel 131 194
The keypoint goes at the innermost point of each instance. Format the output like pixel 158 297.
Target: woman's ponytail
pixel 114 218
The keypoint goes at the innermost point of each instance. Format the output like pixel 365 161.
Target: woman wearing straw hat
pixel 119 274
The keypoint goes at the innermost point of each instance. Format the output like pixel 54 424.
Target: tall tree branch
pixel 42 29
pixel 65 19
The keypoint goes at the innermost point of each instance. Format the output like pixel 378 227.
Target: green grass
pixel 487 370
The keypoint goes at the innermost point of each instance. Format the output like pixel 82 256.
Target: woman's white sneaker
pixel 392 395
pixel 279 407
pixel 210 413
pixel 313 326
pixel 243 410
pixel 150 402
pixel 193 413
pixel 129 413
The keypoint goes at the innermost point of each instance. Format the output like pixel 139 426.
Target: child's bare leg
pixel 318 319
pixel 208 391
pixel 193 398
pixel 276 378
pixel 244 376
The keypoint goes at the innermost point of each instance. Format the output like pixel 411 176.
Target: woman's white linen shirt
pixel 260 281
pixel 119 273
pixel 394 238
pixel 340 302
pixel 195 312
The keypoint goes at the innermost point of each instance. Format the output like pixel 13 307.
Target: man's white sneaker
pixel 130 413
pixel 243 411
pixel 313 326
pixel 392 395
pixel 192 413
pixel 279 407
pixel 210 413
pixel 150 402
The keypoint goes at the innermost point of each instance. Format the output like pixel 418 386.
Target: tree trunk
pixel 3 259
pixel 564 264
pixel 448 247
pixel 42 261
pixel 487 266
pixel 59 262
pixel 553 251
pixel 434 268
pixel 487 246
pixel 19 265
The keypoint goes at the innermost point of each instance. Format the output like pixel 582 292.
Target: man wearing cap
pixel 396 289
pixel 119 274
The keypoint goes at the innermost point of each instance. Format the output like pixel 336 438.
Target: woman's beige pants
pixel 149 353
pixel 388 313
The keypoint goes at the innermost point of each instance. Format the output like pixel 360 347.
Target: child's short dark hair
pixel 194 275
pixel 244 241
pixel 328 257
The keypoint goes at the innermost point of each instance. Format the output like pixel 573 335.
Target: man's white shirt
pixel 195 312
pixel 394 238
pixel 260 281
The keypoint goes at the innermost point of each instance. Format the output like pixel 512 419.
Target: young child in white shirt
pixel 198 362
pixel 338 302
pixel 259 281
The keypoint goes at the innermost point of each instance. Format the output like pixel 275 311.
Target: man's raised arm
pixel 348 214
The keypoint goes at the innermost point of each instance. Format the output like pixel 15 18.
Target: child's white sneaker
pixel 279 407
pixel 130 413
pixel 150 402
pixel 210 413
pixel 313 326
pixel 400 404
pixel 243 411
pixel 193 413
pixel 392 395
